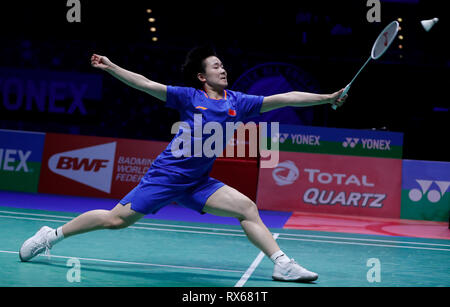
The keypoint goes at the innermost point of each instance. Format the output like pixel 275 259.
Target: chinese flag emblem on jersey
pixel 231 112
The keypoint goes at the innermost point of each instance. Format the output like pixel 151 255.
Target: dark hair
pixel 194 64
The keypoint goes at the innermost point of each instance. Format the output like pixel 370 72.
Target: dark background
pixel 405 90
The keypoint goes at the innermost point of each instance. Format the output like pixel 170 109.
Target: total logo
pixel 287 173
pixel 367 143
pixel 433 195
pixel 316 176
pixel 92 166
pixel 291 176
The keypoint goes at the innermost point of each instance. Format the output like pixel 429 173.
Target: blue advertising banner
pixel 45 91
pixel 20 160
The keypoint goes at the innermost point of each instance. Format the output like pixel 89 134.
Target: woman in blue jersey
pixel 183 176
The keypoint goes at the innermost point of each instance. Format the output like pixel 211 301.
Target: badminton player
pixel 185 178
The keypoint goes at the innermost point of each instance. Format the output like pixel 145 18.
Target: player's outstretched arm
pixel 300 99
pixel 132 79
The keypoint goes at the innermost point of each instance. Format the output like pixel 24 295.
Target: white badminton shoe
pixel 37 244
pixel 292 271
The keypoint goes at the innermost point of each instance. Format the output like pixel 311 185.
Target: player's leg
pixel 227 201
pixel 120 216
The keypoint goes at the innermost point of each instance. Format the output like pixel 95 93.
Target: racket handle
pixel 346 89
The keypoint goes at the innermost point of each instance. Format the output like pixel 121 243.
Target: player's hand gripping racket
pixel 384 40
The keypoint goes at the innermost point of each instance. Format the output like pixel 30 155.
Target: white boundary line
pixel 252 267
pixel 367 240
pixel 298 236
pixel 137 223
pixel 135 227
pixel 228 229
pixel 134 263
pixel 368 244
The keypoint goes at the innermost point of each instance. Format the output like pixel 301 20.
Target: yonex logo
pixel 433 195
pixel 352 142
pixel 8 160
pixel 299 139
pixel 92 166
pixel 291 176
pixel 373 144
pixel 280 137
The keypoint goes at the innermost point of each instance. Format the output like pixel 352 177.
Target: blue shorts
pixel 159 188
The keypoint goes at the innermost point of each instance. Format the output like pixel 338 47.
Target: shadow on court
pixel 127 274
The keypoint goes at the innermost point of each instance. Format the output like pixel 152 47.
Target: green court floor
pixel 177 254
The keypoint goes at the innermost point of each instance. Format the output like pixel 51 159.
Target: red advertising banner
pixel 94 166
pixel 133 159
pixel 333 184
pixel 239 174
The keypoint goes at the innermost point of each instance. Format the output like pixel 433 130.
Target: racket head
pixel 384 40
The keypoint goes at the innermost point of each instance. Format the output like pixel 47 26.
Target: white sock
pixel 279 257
pixel 56 236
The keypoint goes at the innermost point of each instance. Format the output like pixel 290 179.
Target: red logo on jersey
pixel 231 112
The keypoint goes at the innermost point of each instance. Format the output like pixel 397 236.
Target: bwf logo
pixel 432 195
pixel 92 166
pixel 86 164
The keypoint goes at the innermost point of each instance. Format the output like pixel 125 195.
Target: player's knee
pixel 249 210
pixel 115 222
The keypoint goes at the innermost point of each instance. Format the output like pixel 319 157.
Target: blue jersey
pixel 191 103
